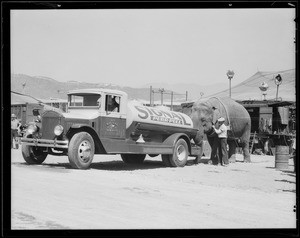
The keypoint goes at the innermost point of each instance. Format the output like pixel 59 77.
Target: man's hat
pixel 13 115
pixel 221 119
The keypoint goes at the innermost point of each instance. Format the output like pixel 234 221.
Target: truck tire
pixel 81 150
pixel 166 160
pixel 133 158
pixel 33 154
pixel 180 154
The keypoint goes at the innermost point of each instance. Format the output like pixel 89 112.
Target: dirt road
pixel 114 195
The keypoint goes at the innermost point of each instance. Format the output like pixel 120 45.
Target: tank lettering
pixel 166 113
pixel 156 112
pixel 144 113
pixel 165 119
pixel 175 115
pixel 184 121
pixel 161 116
pixel 149 111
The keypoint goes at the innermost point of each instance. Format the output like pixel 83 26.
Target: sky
pixel 135 47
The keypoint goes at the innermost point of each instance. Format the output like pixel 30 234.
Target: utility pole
pixel 162 91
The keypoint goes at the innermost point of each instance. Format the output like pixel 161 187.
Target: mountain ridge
pixel 43 87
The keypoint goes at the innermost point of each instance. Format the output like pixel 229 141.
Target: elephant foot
pixel 232 160
pixel 247 161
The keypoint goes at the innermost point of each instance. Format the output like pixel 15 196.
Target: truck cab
pixel 104 121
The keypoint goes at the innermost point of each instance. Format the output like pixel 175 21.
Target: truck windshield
pixel 84 100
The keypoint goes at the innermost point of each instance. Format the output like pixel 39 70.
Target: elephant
pixel 205 112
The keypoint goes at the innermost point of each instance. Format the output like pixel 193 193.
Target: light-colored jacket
pixel 222 131
pixel 15 124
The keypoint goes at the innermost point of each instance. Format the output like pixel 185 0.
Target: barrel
pixel 282 157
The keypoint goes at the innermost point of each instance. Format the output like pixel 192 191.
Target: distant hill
pixel 249 88
pixel 44 88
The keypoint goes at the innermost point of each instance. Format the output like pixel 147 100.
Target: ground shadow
pixel 290 173
pixel 267 167
pixel 284 180
pixel 287 172
pixel 291 191
pixel 202 161
pixel 105 165
pixel 121 166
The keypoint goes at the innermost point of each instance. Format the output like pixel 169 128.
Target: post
pixel 150 96
pixel 171 100
pixel 230 75
pixel 161 90
pixel 278 81
pixel 230 87
pixel 186 95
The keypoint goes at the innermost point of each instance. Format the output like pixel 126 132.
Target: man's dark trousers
pixel 223 151
pixel 215 158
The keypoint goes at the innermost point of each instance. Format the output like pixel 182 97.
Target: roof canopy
pixel 20 99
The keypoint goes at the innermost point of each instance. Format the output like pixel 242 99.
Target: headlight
pixel 58 130
pixel 32 129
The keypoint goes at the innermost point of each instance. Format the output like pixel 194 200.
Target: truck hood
pixel 82 114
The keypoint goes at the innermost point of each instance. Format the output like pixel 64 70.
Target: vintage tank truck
pixel 104 121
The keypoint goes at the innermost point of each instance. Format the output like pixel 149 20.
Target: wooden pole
pixel 150 96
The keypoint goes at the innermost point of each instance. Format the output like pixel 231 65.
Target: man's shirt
pixel 222 131
pixel 15 124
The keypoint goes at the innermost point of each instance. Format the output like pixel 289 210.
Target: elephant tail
pixel 246 135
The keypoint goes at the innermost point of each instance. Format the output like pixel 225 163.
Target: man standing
pixel 222 135
pixel 214 156
pixel 15 124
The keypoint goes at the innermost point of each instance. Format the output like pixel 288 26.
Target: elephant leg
pixel 213 142
pixel 246 153
pixel 198 157
pixel 232 151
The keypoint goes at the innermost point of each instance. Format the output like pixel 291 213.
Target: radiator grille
pixel 48 125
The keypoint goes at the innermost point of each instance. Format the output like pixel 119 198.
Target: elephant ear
pixel 216 114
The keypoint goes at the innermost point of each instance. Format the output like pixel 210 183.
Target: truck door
pixel 113 121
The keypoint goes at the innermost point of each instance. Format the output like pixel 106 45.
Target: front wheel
pixel 81 150
pixel 33 154
pixel 180 154
pixel 133 158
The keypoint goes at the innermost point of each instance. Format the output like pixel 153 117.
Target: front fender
pixel 76 126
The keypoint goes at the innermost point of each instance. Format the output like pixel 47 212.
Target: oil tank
pixel 150 115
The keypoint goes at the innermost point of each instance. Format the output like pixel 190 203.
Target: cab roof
pixel 97 91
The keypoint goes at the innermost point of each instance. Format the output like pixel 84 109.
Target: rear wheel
pixel 133 158
pixel 81 150
pixel 33 154
pixel 180 154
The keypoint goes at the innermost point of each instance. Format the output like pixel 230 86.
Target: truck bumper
pixel 45 143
